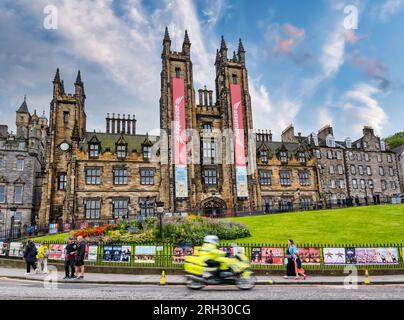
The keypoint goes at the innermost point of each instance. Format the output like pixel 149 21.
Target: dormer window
pixel 283 156
pixel 348 143
pixel 264 156
pixel 302 157
pixel 121 151
pixel 315 139
pixel 147 152
pixel 330 141
pixel 94 150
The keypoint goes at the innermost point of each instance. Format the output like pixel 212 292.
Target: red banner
pixel 238 125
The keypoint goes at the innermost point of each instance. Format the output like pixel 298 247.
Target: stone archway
pixel 213 206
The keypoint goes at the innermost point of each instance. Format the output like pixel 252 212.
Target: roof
pixel 399 149
pixel 108 140
pixel 275 146
pixel 23 108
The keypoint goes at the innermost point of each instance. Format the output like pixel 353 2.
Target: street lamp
pixel 160 211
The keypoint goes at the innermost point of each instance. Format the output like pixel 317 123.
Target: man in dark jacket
pixel 30 253
pixel 81 253
pixel 70 259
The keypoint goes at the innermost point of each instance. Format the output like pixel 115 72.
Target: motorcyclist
pixel 211 253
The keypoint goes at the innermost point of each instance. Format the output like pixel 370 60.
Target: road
pixel 25 289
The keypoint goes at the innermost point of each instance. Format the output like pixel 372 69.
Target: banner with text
pixel 238 141
pixel 179 139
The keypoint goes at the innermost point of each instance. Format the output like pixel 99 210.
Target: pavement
pixel 179 280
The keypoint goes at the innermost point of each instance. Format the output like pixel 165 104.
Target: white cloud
pixel 360 107
pixel 389 8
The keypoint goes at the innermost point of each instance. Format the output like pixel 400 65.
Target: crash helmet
pixel 211 239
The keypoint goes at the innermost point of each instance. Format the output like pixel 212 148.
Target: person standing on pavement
pixel 290 263
pixel 30 253
pixel 42 256
pixel 70 259
pixel 81 252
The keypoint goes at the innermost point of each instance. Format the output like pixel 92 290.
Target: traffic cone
pixel 163 278
pixel 367 278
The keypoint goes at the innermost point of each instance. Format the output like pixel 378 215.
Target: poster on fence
pixel 117 253
pixel 16 249
pixel 350 255
pixel 145 254
pixel 237 250
pixel 180 252
pixel 267 256
pixel 91 253
pixel 310 256
pixel 67 227
pixel 57 251
pixel 53 228
pixel 376 255
pixel 3 249
pixel 334 255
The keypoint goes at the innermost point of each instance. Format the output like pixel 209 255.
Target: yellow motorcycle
pixel 232 270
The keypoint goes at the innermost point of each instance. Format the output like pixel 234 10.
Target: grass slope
pixel 360 225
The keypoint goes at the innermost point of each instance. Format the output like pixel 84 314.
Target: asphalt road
pixel 22 289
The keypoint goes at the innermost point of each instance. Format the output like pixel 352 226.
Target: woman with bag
pixel 30 253
pixel 289 260
pixel 42 256
pixel 298 266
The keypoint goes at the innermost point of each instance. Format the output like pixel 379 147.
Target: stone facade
pixel 119 173
pixel 22 162
pixel 399 151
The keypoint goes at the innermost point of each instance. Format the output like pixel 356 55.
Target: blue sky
pixel 304 66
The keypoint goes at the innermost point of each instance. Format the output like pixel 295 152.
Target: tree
pixel 395 140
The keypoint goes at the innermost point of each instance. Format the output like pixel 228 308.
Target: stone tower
pixel 67 127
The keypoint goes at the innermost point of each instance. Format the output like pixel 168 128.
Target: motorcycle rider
pixel 211 253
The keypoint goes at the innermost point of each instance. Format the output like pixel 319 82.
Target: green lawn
pixel 358 225
pixel 52 237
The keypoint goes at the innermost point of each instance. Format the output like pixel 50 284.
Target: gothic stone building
pixel 207 158
pixel 22 161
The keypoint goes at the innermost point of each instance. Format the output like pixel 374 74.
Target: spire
pixel 223 44
pixel 186 46
pixel 186 38
pixel 57 76
pixel 78 79
pixel 166 36
pixel 217 56
pixel 240 46
pixel 23 108
pixel 234 56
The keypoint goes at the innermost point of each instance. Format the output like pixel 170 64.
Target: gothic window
pixel 234 78
pixel 305 203
pixel 62 181
pixel 92 208
pixel 350 156
pixel 389 158
pixel 209 150
pixel 3 194
pixel 331 169
pixel 354 184
pixel 366 157
pixel 359 156
pixel 370 184
pixel 393 185
pixel 381 171
pixel 20 164
pixel 318 154
pixel 93 176
pixel 66 118
pixel 330 141
pixel 120 176
pixel 146 152
pixel 353 169
pixel 146 206
pixel 304 178
pixel 177 72
pixel 342 183
pixel 267 203
pixel 332 184
pixel 210 177
pixel 302 157
pixel 283 157
pixel 340 169
pixel 363 184
pixel 384 184
pixel 265 177
pixel 18 192
pixel 360 169
pixel 379 158
pixel 339 155
pixel 264 156
pixel 284 177
pixel 94 150
pixel 391 171
pixel 121 150
pixel 120 208
pixel 329 154
pixel 369 171
pixel 207 127
pixel 147 176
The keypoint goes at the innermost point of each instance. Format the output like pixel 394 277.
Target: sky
pixel 307 65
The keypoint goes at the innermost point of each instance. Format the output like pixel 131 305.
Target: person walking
pixel 30 253
pixel 70 259
pixel 81 252
pixel 293 262
pixel 42 256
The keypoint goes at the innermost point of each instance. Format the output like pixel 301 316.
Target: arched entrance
pixel 213 207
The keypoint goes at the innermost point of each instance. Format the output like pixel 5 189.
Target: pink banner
pixel 179 132
pixel 238 125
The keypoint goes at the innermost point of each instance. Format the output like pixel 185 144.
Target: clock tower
pixel 67 127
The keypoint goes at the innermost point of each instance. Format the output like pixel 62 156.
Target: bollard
pixel 163 278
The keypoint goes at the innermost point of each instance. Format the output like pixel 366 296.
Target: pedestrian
pixel 298 265
pixel 293 262
pixel 81 252
pixel 30 253
pixel 30 230
pixel 70 259
pixel 42 256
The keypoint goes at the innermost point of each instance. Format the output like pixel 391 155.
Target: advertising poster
pixel 237 250
pixel 238 141
pixel 57 251
pixel 16 249
pixel 92 253
pixel 256 255
pixel 365 255
pixel 350 256
pixel 84 225
pixel 309 255
pixel 180 252
pixel 376 255
pixel 117 253
pixel 272 256
pixel 67 227
pixel 179 139
pixel 145 254
pixel 3 249
pixel 53 228
pixel 334 255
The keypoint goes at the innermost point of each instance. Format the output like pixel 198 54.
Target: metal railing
pixel 262 256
